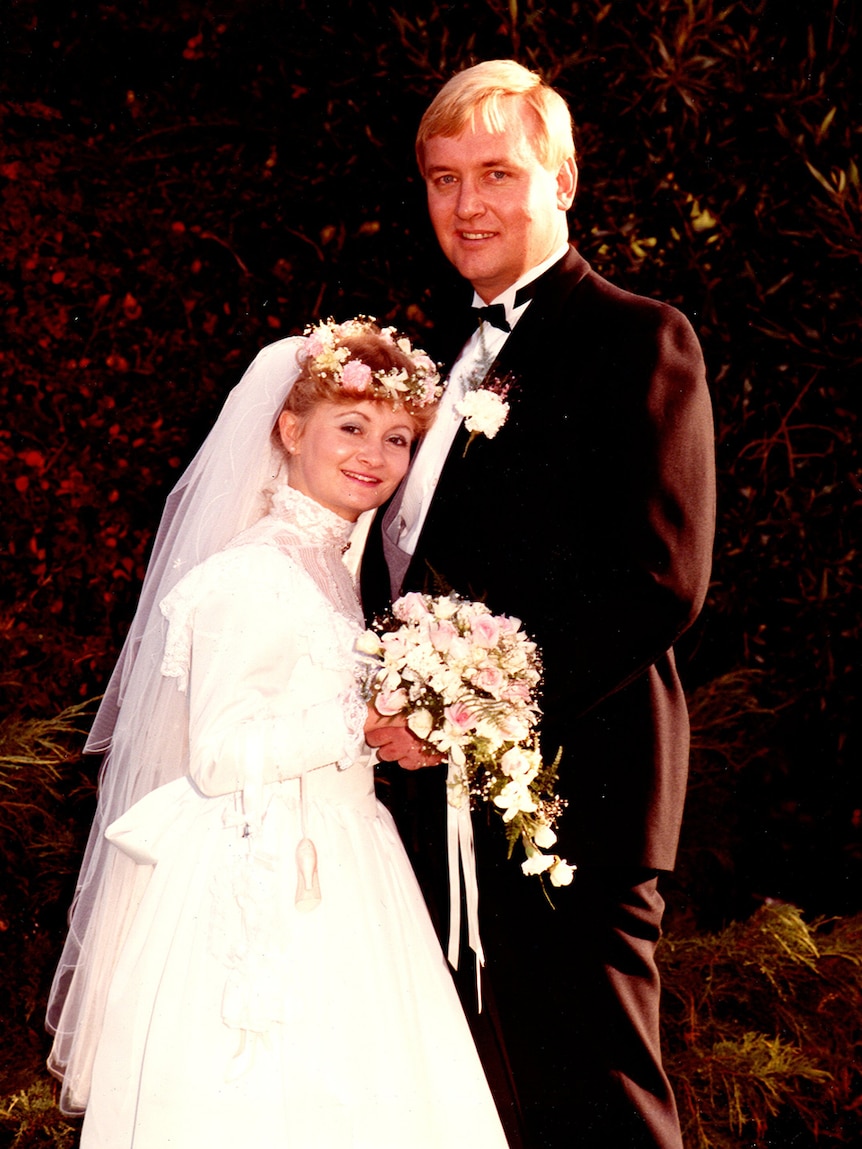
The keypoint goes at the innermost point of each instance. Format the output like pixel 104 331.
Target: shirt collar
pixel 507 297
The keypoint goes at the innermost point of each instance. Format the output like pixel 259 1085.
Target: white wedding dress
pixel 234 1018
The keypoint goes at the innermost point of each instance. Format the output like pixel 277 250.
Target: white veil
pixel 142 723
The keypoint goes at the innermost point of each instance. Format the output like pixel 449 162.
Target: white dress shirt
pixel 471 366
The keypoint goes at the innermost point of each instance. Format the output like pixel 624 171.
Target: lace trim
pixel 246 936
pixel 315 525
pixel 331 633
pixel 355 716
pixel 178 609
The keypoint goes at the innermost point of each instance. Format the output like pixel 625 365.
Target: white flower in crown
pixel 332 360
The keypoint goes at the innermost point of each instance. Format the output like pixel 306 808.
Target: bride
pixel 249 958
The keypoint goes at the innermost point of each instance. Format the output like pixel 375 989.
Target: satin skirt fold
pixel 236 1019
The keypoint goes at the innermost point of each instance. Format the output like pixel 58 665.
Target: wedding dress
pixel 233 1017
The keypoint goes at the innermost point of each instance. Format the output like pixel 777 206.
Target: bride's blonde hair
pixel 396 373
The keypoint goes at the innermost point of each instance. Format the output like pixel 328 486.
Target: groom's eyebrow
pixel 502 162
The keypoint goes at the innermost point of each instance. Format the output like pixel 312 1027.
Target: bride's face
pixel 348 458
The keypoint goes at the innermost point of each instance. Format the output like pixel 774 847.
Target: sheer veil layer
pixel 142 723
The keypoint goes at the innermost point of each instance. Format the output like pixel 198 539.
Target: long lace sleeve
pixel 270 685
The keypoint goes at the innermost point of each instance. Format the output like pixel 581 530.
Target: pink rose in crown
pixel 314 346
pixel 355 377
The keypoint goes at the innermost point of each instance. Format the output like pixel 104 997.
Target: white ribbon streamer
pixel 460 845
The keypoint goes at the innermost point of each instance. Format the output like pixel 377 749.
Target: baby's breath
pixel 471 680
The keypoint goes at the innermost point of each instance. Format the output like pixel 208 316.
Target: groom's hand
pixel 394 742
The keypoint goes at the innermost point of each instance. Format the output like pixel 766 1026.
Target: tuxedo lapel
pixel 455 327
pixel 481 466
pixel 543 318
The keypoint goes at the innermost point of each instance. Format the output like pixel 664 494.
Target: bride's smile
pixel 348 458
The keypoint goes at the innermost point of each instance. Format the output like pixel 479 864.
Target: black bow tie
pixel 495 313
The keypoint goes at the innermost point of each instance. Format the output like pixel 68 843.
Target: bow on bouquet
pixel 467 681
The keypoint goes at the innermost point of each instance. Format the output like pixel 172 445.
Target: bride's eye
pixel 399 440
pixel 350 428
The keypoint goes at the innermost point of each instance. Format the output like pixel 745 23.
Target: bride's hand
pixel 394 742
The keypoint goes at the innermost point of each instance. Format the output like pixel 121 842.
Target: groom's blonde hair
pixel 488 90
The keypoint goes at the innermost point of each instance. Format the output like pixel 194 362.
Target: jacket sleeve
pixel 271 695
pixel 632 571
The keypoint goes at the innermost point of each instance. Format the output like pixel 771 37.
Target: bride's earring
pixel 288 432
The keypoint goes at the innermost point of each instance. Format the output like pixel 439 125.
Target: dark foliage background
pixel 185 181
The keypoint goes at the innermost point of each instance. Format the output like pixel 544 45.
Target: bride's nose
pixel 371 451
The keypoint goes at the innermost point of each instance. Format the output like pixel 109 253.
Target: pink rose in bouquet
pixel 443 633
pixel 390 702
pixel 490 679
pixel 460 717
pixel 485 630
pixel 468 681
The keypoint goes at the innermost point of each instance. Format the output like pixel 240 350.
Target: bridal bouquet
pixel 467 681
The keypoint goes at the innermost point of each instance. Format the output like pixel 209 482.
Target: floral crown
pixel 326 353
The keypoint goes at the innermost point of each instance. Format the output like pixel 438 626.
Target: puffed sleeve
pixel 270 683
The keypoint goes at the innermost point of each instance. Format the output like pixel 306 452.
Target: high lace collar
pixel 317 525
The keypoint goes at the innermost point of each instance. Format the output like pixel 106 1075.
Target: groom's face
pixel 496 210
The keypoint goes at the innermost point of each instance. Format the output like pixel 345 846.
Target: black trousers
pixel 569 1035
pixel 580 1017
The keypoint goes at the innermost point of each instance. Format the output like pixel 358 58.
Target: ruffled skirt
pixel 234 1018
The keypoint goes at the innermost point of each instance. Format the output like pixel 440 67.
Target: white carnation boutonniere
pixel 484 411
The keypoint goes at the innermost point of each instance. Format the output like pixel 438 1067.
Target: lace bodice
pixel 261 635
pixel 316 538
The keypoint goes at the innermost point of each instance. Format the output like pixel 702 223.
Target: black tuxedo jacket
pixel 590 516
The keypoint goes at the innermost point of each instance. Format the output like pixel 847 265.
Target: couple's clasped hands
pixel 394 741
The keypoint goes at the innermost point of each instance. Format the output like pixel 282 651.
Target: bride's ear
pixel 288 431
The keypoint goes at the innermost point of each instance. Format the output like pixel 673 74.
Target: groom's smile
pixel 496 209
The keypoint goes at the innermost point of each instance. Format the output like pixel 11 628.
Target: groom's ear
pixel 288 431
pixel 567 183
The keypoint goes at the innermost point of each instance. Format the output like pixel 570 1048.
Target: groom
pixel 590 516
